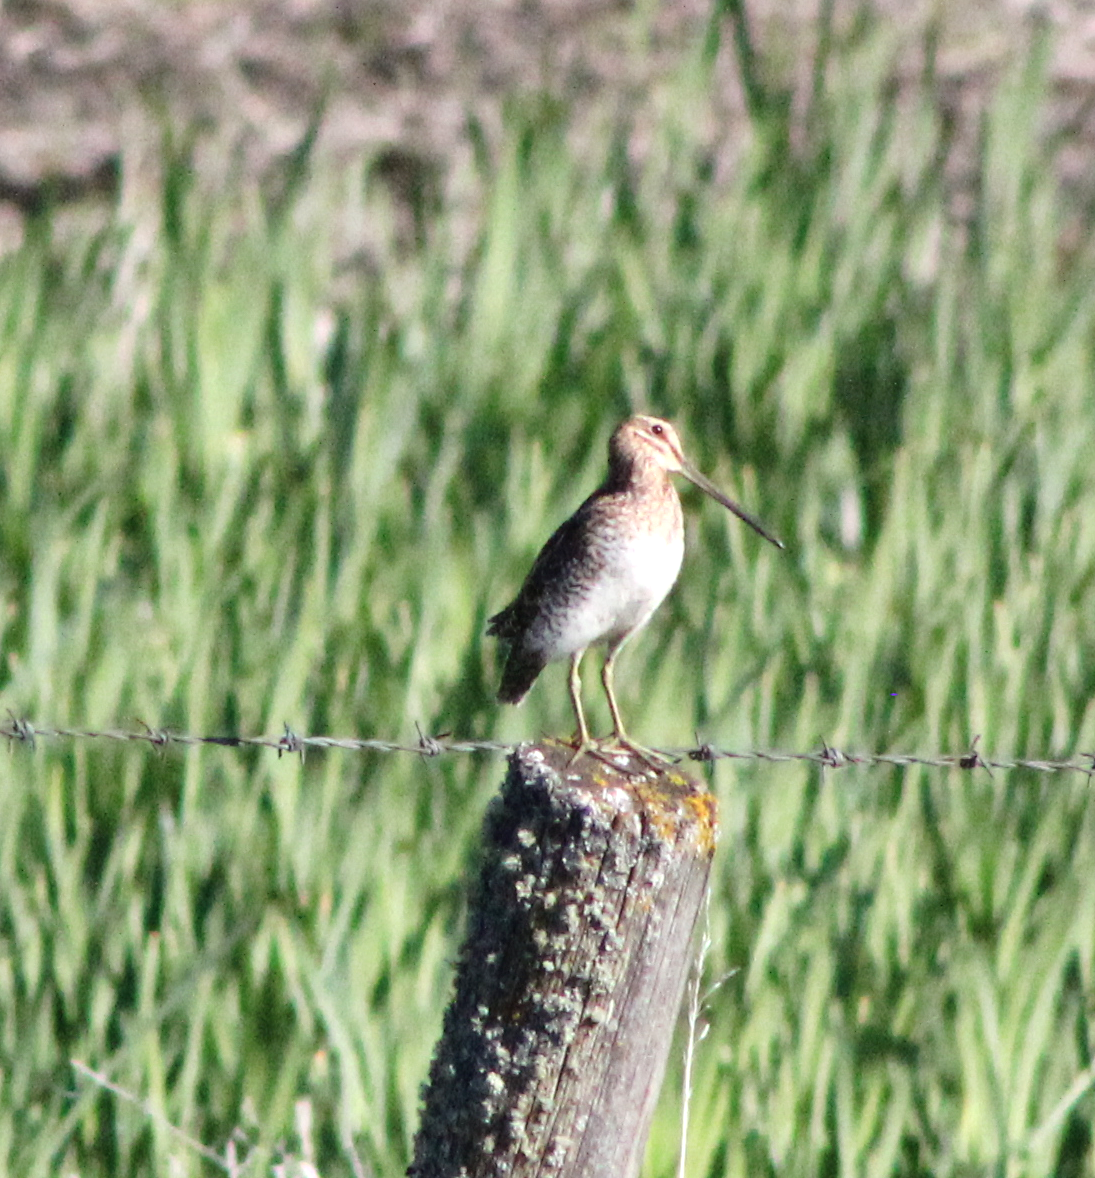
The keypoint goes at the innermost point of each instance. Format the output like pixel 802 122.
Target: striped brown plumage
pixel 605 570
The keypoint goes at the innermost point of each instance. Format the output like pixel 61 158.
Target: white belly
pixel 621 598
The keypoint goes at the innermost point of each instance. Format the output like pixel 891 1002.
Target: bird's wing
pixel 565 546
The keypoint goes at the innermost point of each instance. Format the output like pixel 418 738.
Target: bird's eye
pixel 657 430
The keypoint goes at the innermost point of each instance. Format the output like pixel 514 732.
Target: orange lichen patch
pixel 677 806
pixel 674 805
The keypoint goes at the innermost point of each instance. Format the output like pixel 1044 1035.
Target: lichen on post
pixel 572 970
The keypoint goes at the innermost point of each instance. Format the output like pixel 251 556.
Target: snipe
pixel 605 571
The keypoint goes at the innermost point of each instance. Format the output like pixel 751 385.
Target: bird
pixel 604 572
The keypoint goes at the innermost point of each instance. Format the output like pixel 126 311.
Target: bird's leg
pixel 582 741
pixel 655 760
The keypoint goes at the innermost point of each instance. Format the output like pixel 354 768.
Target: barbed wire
pixel 18 730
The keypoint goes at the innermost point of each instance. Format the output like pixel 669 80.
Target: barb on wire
pixel 430 746
pixel 20 730
pixel 290 743
pixel 832 758
pixel 159 738
pixel 703 751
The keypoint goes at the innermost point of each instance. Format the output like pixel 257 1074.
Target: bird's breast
pixel 628 580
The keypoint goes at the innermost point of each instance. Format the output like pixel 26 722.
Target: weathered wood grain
pixel 571 974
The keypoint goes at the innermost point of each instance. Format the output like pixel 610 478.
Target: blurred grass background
pixel 243 485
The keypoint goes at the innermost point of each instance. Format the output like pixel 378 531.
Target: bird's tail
pixel 519 674
pixel 502 624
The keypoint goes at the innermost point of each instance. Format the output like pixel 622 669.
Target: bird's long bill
pixel 708 488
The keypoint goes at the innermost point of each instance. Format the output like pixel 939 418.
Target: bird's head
pixel 644 441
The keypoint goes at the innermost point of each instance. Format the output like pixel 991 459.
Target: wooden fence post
pixel 571 974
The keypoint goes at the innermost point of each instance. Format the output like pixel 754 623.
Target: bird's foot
pixel 613 751
pixel 621 742
pixel 610 749
pixel 584 745
pixel 578 746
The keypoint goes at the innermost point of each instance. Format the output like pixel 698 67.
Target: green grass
pixel 244 486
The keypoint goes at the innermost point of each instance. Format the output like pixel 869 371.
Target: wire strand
pixel 18 730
